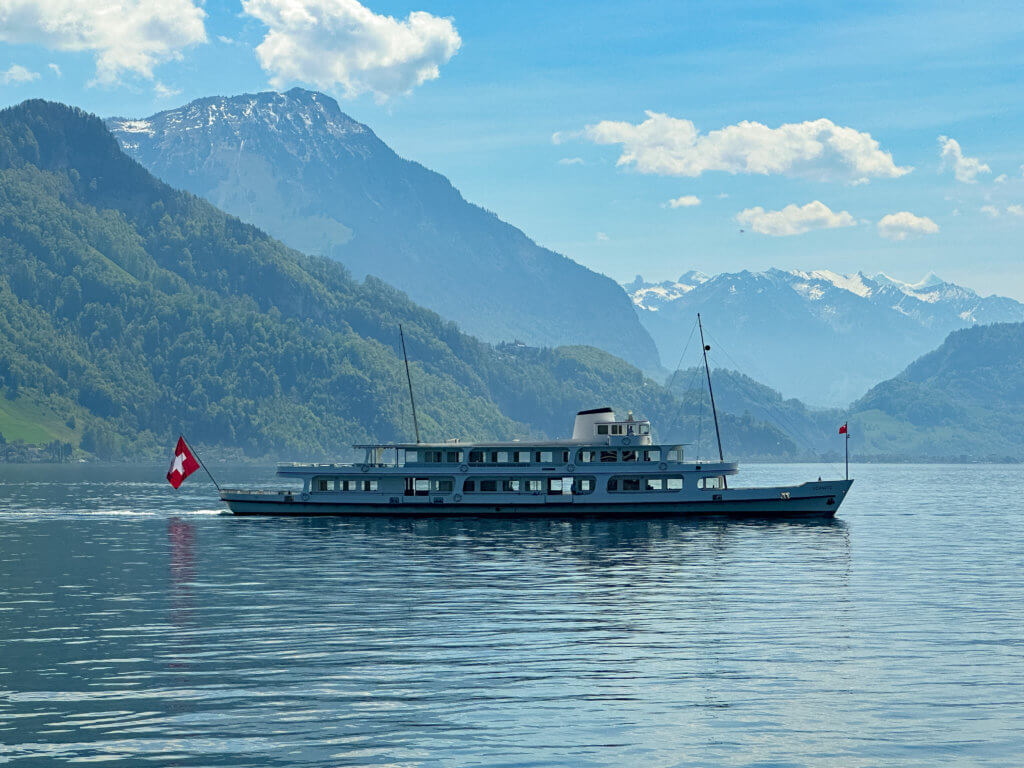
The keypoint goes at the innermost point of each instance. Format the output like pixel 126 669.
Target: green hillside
pixel 142 311
pixel 963 400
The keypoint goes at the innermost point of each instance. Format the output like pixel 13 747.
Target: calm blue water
pixel 139 627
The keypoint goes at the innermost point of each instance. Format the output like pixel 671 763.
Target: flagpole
pixel 847 425
pixel 200 460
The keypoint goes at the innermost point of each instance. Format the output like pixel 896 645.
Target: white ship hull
pixel 815 499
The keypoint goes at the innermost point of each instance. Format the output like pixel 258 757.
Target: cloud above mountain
pixel 342 44
pixel 965 169
pixel 793 219
pixel 904 225
pixel 669 146
pixel 126 36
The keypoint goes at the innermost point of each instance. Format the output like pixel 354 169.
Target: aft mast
pixel 707 371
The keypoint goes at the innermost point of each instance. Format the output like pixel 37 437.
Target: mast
pixel 408 378
pixel 707 370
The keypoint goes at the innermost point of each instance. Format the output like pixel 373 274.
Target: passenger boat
pixel 609 466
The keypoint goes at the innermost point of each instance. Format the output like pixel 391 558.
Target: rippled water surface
pixel 140 627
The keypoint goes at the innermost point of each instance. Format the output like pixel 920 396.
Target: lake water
pixel 140 627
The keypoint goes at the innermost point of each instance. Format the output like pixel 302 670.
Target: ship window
pixel 674 483
pixel 454 457
pixel 586 457
pixel 469 486
pixel 510 486
pixel 644 429
pixel 631 483
pixel 476 456
pixel 713 483
pixel 602 429
pixel 488 485
pixel 609 456
pixel 422 486
pixel 534 486
pixel 652 454
pixel 674 454
pixel 443 485
pixel 613 484
pixel 654 483
pixel 616 429
pixel 322 483
pixel 565 456
pixel 431 457
pixel 523 457
pixel 583 485
pixel 545 457
pixel 629 455
pixel 369 485
pixel 500 457
pixel 554 485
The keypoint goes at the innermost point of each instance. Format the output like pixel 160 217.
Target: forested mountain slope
pixel 134 311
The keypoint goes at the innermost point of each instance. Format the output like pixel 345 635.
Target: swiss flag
pixel 184 464
pixel 842 430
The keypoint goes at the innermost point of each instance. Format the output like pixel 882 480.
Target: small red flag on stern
pixel 184 464
pixel 842 430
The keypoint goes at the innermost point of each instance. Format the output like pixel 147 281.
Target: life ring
pixel 364 468
pixel 457 497
pixel 625 441
pixel 663 466
pixel 463 468
pixel 570 468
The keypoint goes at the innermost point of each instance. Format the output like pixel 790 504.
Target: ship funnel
pixel 583 428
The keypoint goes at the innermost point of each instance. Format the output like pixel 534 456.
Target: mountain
pixel 819 336
pixel 962 400
pixel 298 167
pixel 131 311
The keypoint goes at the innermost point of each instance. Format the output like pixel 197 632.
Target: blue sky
pixel 512 75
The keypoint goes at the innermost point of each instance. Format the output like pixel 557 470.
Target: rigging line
pixel 680 362
pixel 682 398
pixel 779 414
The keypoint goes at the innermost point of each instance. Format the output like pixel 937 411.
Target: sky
pixel 634 137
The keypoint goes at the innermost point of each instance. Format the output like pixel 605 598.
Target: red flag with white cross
pixel 184 464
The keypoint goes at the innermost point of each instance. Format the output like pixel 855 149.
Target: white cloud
pixel 1015 210
pixel 671 146
pixel 602 237
pixel 341 43
pixel 1000 179
pixel 55 69
pixel 686 201
pixel 793 219
pixel 164 92
pixel 571 161
pixel 18 74
pixel 966 169
pixel 126 35
pixel 904 224
pixel 990 210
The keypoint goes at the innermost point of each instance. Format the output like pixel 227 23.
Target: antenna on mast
pixel 408 378
pixel 707 370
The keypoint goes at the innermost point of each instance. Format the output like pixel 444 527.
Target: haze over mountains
pixel 819 336
pixel 298 167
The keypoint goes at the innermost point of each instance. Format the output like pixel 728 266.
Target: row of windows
pixel 642 428
pixel 487 456
pixel 550 485
pixel 673 483
pixel 338 484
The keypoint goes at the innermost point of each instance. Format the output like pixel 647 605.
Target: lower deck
pixel 818 498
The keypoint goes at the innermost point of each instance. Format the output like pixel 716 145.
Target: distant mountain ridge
pixel 298 167
pixel 820 336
